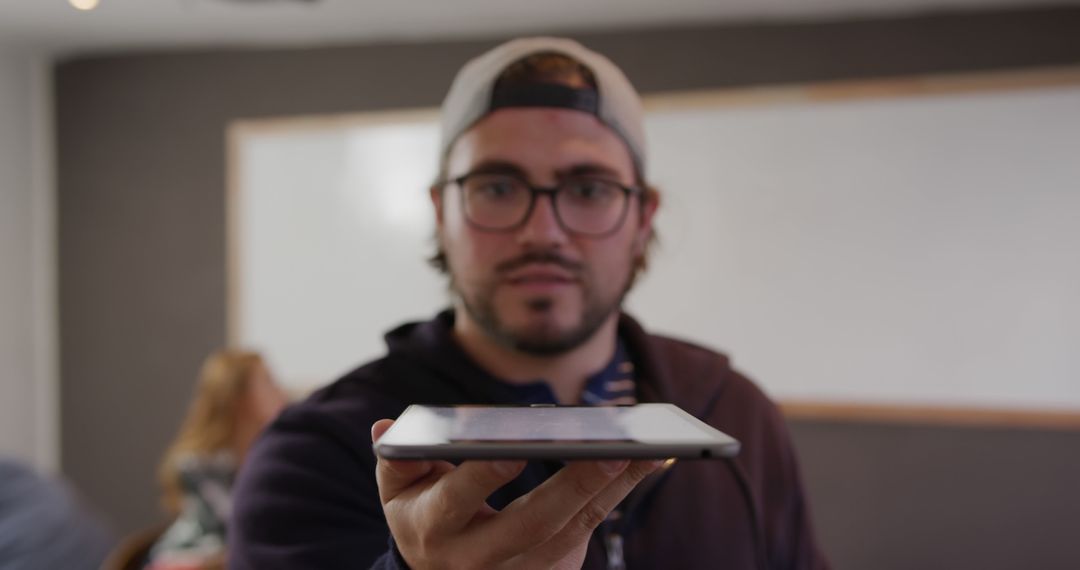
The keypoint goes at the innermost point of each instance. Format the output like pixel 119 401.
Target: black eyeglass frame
pixel 552 192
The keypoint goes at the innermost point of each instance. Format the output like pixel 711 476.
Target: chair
pixel 133 550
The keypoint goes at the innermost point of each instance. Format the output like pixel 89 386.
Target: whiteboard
pixel 912 250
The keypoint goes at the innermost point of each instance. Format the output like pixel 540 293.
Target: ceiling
pixel 124 24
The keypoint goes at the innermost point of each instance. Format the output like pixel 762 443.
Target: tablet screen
pixel 643 423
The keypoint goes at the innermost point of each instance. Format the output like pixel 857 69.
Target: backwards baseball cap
pixel 614 101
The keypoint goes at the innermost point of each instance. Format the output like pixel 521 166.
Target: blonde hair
pixel 210 423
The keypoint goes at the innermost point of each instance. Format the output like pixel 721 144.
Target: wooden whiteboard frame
pixel 828 91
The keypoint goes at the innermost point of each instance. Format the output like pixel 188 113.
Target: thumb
pixel 379 428
pixel 394 476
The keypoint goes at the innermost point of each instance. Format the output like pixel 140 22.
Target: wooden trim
pixel 234 137
pixel 823 91
pixel 863 89
pixel 242 128
pixel 931 415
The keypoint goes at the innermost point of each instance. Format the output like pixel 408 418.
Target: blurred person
pixel 543 222
pixel 236 397
pixel 44 525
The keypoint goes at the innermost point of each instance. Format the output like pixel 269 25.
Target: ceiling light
pixel 84 4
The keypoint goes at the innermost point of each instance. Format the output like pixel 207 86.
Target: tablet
pixel 642 431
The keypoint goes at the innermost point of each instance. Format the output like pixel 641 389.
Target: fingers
pixel 582 525
pixel 457 493
pixel 536 517
pixel 463 491
pixel 436 510
pixel 393 476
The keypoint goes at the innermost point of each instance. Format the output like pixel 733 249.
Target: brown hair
pixel 210 423
pixel 546 67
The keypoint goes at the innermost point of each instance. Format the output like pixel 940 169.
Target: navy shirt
pixel 612 385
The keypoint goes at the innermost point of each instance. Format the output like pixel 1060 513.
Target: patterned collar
pixel 612 385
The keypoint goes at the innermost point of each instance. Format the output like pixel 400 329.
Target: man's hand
pixel 439 516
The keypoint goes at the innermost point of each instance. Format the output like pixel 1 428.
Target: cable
pixel 761 554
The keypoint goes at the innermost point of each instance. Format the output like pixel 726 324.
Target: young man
pixel 543 221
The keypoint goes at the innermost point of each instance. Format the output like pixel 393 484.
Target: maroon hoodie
pixel 307 498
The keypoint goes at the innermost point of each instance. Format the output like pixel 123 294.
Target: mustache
pixel 539 257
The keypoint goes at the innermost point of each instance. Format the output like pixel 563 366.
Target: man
pixel 543 221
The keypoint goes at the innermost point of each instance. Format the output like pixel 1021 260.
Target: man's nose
pixel 542 227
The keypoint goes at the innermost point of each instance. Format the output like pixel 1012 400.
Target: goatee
pixel 543 340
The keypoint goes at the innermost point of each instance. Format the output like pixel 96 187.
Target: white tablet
pixel 643 431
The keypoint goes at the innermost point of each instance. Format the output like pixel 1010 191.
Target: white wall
pixel 28 403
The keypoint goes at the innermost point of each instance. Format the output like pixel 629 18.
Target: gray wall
pixel 141 176
pixel 902 497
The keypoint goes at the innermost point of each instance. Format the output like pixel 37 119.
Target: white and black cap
pixel 614 102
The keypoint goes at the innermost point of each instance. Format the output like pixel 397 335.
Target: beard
pixel 545 339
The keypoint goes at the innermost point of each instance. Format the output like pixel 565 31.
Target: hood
pixel 666 370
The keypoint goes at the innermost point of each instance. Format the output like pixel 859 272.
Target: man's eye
pixel 590 189
pixel 496 189
pixel 493 189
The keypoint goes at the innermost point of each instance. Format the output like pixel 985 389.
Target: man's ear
pixel 436 194
pixel 650 202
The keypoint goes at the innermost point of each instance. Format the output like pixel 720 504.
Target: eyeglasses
pixel 592 207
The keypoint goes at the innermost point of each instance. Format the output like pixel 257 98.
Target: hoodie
pixel 307 497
